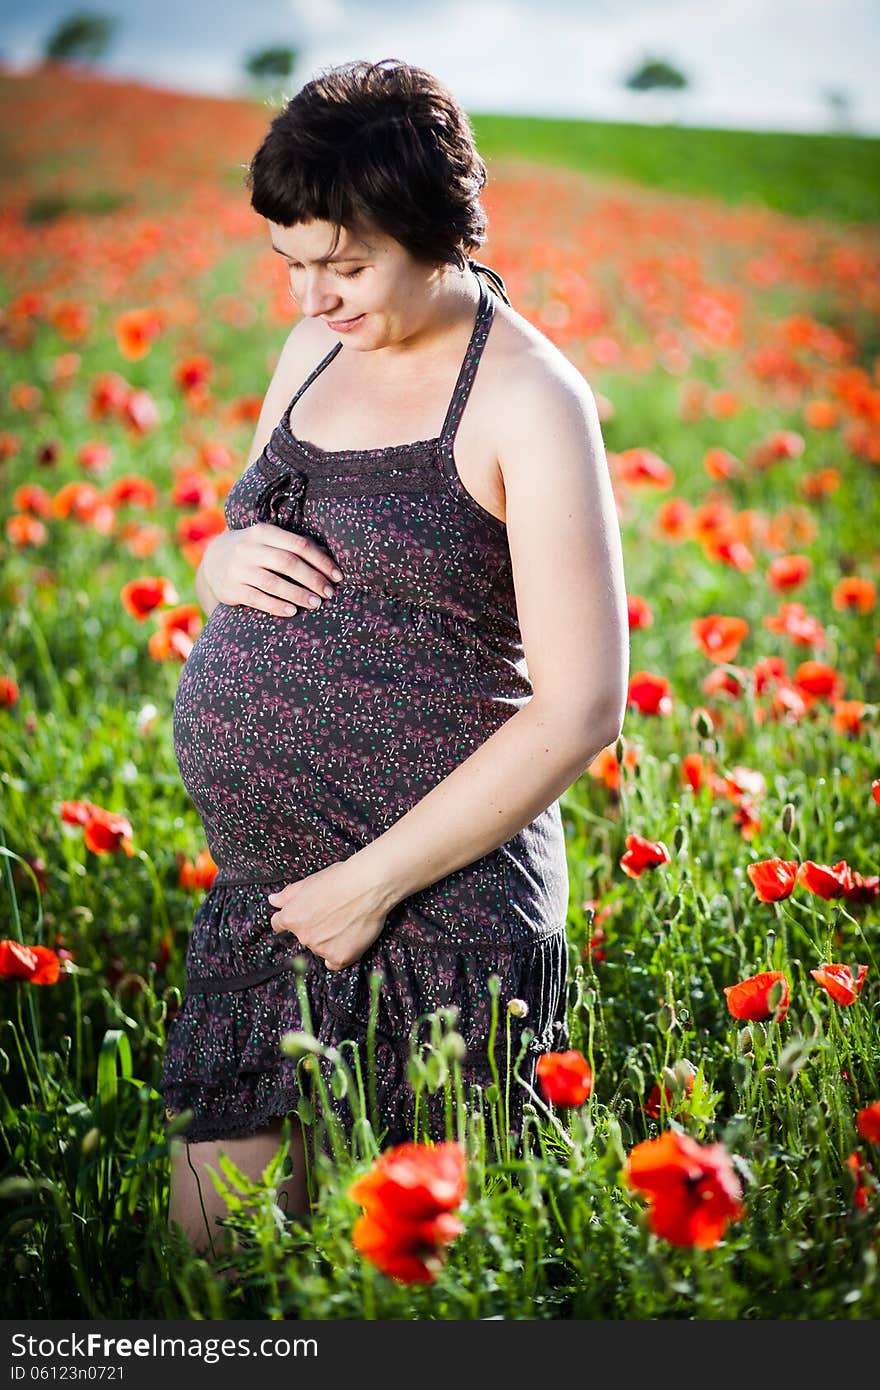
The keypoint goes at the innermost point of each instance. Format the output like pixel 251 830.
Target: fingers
pixel 299 574
pixel 302 546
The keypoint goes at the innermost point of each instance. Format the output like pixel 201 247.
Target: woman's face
pixel 371 291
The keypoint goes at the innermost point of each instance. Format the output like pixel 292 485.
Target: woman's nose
pixel 315 297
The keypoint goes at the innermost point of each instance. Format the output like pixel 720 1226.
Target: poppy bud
pixel 703 724
pixel 297 1044
pixel 415 1072
pixel 745 1042
pixel 684 1073
pixel 436 1070
pixel 678 837
pixel 620 749
pixel 91 1140
pixel 788 814
pixel 518 1008
pixel 453 1047
pixel 666 1019
pixel 741 1071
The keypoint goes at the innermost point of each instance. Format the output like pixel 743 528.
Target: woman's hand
pixel 266 567
pixel 333 912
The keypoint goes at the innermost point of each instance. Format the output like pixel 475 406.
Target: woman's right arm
pixel 306 343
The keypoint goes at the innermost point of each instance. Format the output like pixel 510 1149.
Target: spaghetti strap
pixel 325 362
pixel 482 324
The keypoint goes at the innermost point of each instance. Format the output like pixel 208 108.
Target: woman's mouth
pixel 343 325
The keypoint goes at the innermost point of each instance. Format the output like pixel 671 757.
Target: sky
pixel 750 64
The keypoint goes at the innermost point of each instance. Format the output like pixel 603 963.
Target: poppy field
pixel 709 1147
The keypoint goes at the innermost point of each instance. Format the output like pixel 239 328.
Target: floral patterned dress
pixel 301 739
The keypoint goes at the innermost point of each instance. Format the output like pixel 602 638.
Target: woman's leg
pixel 195 1204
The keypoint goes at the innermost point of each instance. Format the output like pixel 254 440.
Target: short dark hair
pixel 375 144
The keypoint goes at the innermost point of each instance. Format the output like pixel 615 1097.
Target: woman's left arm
pixel 567 561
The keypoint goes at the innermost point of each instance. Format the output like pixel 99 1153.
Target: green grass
pixel 836 177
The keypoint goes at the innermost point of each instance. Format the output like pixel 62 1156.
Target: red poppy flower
pixel 692 1189
pixel 788 571
pixel 868 1122
pixel 693 770
pixel 649 693
pixel 795 622
pixel 863 890
pixel 605 767
pixel 641 467
pixel 9 692
pixel 642 854
pixel 750 999
pixel 820 483
pixel 727 548
pixel 136 329
pixel 847 717
pixel 773 879
pixel 409 1253
pixel 414 1182
pixel 565 1077
pixel 407 1197
pixel 141 596
pixel 818 681
pixel 826 882
pixel 193 372
pixel 721 464
pixel 852 592
pixel 722 680
pixel 719 637
pixel 108 832
pixel 35 964
pixel 746 818
pixel 201 874
pixel 840 983
pixel 672 518
pixel 768 672
pixel 639 612
pixel 860 1169
pixel 743 784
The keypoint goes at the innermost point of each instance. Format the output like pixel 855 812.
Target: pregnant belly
pixel 301 739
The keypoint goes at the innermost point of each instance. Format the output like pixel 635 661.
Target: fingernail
pixel 337 574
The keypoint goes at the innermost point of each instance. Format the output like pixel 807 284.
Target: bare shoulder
pixel 533 385
pixel 307 343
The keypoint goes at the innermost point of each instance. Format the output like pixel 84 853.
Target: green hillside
pixel 832 176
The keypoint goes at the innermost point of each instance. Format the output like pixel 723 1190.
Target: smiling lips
pixel 343 323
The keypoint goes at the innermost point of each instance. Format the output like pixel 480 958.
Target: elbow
pixel 600 726
pixel 587 730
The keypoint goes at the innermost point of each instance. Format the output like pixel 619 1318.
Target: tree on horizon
pixel 83 37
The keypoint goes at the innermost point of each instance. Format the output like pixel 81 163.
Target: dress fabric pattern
pixel 301 739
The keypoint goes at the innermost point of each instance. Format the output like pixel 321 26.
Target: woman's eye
pixel 343 274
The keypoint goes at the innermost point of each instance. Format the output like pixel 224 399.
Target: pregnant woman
pixel 412 648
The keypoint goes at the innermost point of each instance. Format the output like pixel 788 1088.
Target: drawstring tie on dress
pixel 495 279
pixel 282 501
